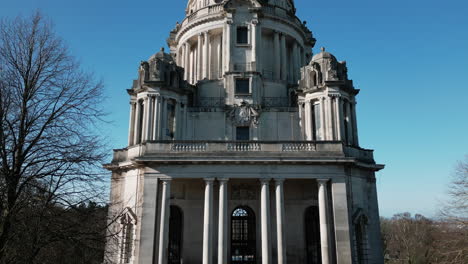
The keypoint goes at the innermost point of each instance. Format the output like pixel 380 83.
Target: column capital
pixel 229 21
pixel 265 181
pixel 165 181
pixel 206 33
pixel 223 180
pixel 323 181
pixel 255 22
pixel 209 180
pixel 279 181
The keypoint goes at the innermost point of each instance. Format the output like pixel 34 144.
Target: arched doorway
pixel 175 235
pixel 312 235
pixel 243 245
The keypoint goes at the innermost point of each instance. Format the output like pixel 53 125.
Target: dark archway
pixel 243 242
pixel 312 235
pixel 175 235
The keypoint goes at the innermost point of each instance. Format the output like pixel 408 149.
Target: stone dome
pixel 162 56
pixel 323 55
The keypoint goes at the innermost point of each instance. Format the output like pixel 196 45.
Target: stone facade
pixel 243 148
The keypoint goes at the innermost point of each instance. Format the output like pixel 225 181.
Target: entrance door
pixel 243 245
pixel 312 235
pixel 175 235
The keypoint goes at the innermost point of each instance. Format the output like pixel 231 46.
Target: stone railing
pixel 280 12
pixel 293 147
pixel 265 147
pixel 249 148
pixel 189 147
pixel 209 10
pixel 244 146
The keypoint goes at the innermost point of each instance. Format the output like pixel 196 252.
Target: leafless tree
pixel 50 151
pixel 456 208
pixel 453 226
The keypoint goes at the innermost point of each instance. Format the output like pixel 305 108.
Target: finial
pixel 322 49
pixel 162 49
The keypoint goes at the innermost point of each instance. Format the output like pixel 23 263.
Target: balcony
pixel 242 151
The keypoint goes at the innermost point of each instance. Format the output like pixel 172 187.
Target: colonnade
pixel 295 58
pixel 334 113
pixel 197 59
pixel 149 119
pixel 195 55
pixel 324 216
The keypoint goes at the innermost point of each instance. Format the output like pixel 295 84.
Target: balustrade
pixel 244 146
pixel 291 147
pixel 188 147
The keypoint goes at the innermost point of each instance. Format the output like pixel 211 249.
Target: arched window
pixel 175 235
pixel 312 235
pixel 243 244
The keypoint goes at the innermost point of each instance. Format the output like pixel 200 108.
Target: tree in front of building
pixel 50 153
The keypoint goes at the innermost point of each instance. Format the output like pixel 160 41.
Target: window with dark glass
pixel 242 133
pixel 242 35
pixel 243 245
pixel 242 86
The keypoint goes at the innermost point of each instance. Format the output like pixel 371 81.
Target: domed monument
pixel 243 148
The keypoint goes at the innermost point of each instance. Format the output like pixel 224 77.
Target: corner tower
pixel 243 148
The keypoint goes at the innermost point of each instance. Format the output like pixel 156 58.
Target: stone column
pixel 199 56
pixel 354 122
pixel 227 46
pixel 223 222
pixel 187 62
pixel 164 222
pixel 280 221
pixel 131 128
pixel 163 119
pixel 148 220
pixel 137 123
pixel 145 119
pixel 254 45
pixel 308 119
pixel 301 120
pixel 284 58
pixel 323 214
pixel 156 114
pixel 149 126
pixel 206 56
pixel 350 123
pixel 331 134
pixel 184 129
pixel 208 222
pixel 178 119
pixel 339 118
pixel 322 118
pixel 219 52
pixel 265 220
pixel 277 56
pixel 295 61
pixel 184 59
pixel 341 221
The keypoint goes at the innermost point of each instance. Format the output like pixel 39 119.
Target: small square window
pixel 242 133
pixel 242 86
pixel 242 35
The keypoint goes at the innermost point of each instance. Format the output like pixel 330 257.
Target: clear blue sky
pixel 409 58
